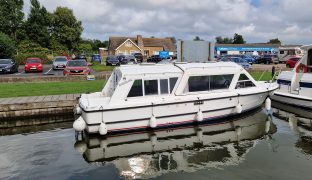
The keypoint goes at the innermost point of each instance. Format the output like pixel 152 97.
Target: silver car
pixel 59 62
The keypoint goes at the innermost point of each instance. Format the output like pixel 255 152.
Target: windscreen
pixel 74 63
pixel 5 61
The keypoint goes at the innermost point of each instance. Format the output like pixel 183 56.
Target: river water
pixel 255 146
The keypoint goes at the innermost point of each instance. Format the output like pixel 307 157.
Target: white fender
pixel 199 116
pixel 153 122
pixel 77 110
pixel 239 108
pixel 268 104
pixel 79 124
pixel 80 146
pixel 103 128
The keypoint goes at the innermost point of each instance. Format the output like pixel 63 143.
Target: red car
pixel 33 65
pixel 77 67
pixel 290 63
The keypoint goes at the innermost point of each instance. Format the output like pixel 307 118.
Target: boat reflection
pixel 188 149
pixel 299 124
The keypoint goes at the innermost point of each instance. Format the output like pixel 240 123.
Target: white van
pixel 284 53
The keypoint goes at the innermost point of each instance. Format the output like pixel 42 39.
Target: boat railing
pixel 276 73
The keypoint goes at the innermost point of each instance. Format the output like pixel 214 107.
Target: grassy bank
pixel 102 67
pixel 54 88
pixel 257 74
pixel 49 88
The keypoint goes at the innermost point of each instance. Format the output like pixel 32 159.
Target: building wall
pixel 153 50
pixel 124 49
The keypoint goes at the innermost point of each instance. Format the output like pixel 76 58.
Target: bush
pixel 7 46
pixel 21 58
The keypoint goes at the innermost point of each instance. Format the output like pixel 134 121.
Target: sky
pixel 257 20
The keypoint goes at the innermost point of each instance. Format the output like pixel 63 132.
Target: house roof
pixel 115 42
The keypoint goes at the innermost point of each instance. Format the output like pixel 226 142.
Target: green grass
pixel 49 88
pixel 257 74
pixel 102 67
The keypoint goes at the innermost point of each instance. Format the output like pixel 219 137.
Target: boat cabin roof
pixel 173 68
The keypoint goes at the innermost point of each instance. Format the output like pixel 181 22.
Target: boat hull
pixel 293 100
pixel 169 115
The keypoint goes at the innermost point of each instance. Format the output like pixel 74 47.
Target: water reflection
pixel 300 122
pixel 188 149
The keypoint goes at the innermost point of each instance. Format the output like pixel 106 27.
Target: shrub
pixel 21 58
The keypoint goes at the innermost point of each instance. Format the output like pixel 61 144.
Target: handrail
pixel 262 75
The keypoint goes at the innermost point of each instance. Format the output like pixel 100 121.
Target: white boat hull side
pixel 294 100
pixel 172 114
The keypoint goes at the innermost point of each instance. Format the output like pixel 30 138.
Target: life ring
pixel 302 68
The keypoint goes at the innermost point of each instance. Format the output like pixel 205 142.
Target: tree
pixel 85 48
pixel 275 41
pixel 197 38
pixel 37 24
pixel 66 29
pixel 7 46
pixel 11 17
pixel 238 39
pixel 226 40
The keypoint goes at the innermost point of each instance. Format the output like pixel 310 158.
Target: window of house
pixel 172 82
pixel 209 83
pixel 244 82
pixel 136 89
pixel 151 87
pixel 163 84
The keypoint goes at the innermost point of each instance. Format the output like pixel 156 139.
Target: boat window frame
pixel 207 91
pixel 158 85
pixel 244 81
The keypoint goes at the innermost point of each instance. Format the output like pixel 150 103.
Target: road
pixel 47 71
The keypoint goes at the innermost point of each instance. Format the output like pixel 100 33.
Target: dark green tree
pixel 226 40
pixel 7 46
pixel 11 17
pixel 38 24
pixel 66 29
pixel 238 39
pixel 275 41
pixel 197 38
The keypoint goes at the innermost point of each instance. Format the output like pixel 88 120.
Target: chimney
pixel 140 41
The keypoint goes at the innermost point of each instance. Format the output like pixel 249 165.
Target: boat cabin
pixel 171 80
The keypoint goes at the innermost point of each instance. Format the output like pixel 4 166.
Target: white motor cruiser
pixel 146 96
pixel 295 87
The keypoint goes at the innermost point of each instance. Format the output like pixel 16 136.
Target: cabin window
pixel 209 83
pixel 136 89
pixel 151 87
pixel 281 52
pixel 163 84
pixel 244 82
pixel 173 82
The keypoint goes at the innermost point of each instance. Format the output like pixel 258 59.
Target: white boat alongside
pixel 156 96
pixel 295 87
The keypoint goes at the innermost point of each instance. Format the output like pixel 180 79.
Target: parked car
pixel 248 58
pixel 112 61
pixel 291 62
pixel 265 59
pixel 8 66
pixel 81 56
pixel 154 59
pixel 96 58
pixel 138 56
pixel 126 59
pixel 237 60
pixel 33 65
pixel 59 62
pixel 77 67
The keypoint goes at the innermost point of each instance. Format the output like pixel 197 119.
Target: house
pixel 146 46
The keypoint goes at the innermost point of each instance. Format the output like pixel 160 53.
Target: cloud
pixel 256 20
